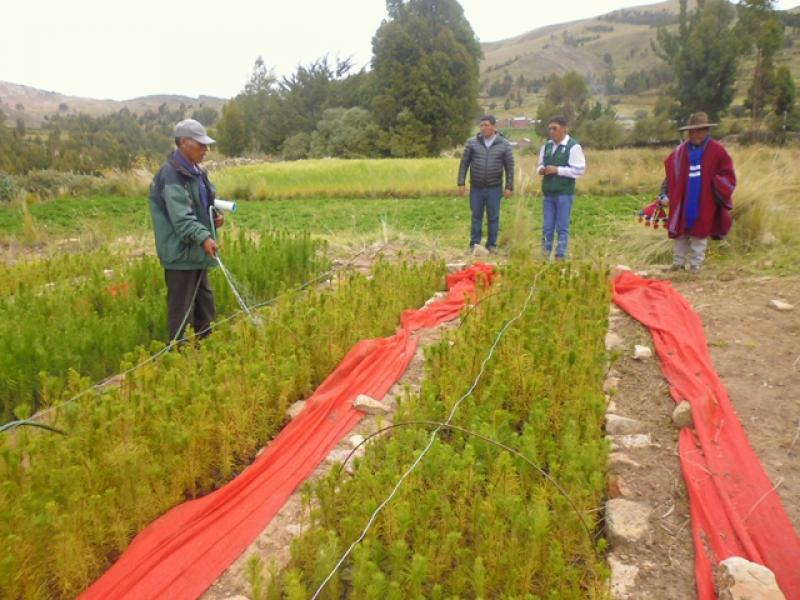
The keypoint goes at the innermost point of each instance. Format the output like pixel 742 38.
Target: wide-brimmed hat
pixel 698 120
pixel 189 128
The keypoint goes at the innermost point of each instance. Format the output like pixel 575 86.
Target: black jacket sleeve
pixel 466 158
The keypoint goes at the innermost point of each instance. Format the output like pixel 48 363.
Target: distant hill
pixel 32 105
pixel 624 35
pixel 621 39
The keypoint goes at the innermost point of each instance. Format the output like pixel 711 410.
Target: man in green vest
pixel 561 162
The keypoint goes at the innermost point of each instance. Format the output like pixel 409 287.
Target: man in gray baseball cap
pixel 182 206
pixel 193 130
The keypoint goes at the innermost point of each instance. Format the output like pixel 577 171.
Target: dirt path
pixel 755 352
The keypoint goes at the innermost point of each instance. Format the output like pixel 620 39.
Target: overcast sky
pixel 111 49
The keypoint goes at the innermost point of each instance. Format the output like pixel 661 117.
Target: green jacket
pixel 180 224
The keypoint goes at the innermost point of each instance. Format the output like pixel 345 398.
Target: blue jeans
pixel 480 200
pixel 556 218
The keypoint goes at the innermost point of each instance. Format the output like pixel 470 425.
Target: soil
pixel 755 352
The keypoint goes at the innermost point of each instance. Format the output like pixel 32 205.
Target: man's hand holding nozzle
pixel 210 247
pixel 219 219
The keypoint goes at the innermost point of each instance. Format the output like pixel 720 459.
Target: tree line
pixel 420 95
pixel 87 144
pixel 418 98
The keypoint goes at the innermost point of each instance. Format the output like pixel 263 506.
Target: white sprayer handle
pixel 228 205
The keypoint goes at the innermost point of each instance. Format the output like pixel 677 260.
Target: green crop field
pixel 82 299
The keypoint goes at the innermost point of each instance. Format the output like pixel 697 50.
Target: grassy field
pixel 423 223
pixel 414 202
pixel 330 178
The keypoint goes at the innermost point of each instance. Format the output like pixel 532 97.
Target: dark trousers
pixel 488 200
pixel 180 292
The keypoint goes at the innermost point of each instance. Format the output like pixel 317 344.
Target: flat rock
pixel 626 521
pixel 740 579
pixel 780 305
pixel 356 441
pixel 370 406
pixel 610 384
pixel 769 239
pixel 617 460
pixel 631 441
pixel 682 415
pixel 295 409
pixel 621 268
pixel 339 455
pixel 623 579
pixel 642 352
pixel 435 297
pixel 613 341
pixel 617 487
pixel 617 425
pixel 455 267
pixel 294 529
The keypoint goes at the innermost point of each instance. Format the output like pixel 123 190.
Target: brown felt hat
pixel 698 120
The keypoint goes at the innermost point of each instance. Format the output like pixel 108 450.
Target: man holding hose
pixel 181 203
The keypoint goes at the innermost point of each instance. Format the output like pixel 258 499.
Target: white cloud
pixel 109 49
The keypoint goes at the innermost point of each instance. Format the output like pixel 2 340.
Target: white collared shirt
pixel 576 161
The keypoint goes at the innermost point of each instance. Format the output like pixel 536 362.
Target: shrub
pixel 295 147
pixel 175 429
pixel 48 183
pixel 604 132
pixel 67 314
pixel 8 188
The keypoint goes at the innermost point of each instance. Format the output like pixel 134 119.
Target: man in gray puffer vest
pixel 487 156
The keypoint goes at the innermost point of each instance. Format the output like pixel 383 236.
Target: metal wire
pixel 434 433
pixel 169 346
pixel 236 294
pixel 485 438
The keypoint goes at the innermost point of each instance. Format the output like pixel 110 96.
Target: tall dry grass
pixel 608 172
pixel 616 181
pixel 766 214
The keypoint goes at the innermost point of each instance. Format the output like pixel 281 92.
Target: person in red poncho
pixel 699 189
